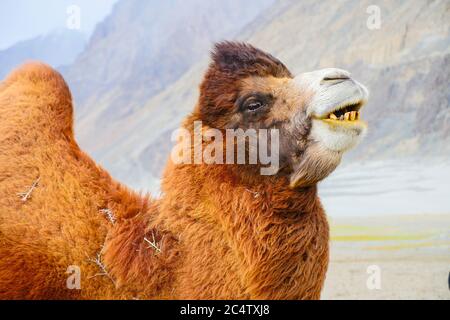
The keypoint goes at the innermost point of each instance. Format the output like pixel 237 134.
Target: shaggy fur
pixel 217 232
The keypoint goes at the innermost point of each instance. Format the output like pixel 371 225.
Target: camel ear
pixel 234 56
pixel 238 57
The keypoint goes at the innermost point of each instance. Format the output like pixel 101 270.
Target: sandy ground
pixel 408 254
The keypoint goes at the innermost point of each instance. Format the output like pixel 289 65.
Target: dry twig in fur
pixel 153 244
pixel 109 214
pixel 255 194
pixel 98 261
pixel 24 196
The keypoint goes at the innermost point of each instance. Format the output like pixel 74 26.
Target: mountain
pixel 138 50
pixel 139 75
pixel 57 48
pixel 405 64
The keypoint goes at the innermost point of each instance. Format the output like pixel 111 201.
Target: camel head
pixel 317 114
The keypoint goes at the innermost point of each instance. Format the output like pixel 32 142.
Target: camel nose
pixel 330 76
pixel 329 88
pixel 323 77
pixel 333 76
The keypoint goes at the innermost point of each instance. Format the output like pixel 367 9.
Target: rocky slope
pixel 137 51
pixel 405 64
pixel 139 77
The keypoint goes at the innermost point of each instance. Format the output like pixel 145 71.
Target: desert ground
pixel 411 252
pixel 394 215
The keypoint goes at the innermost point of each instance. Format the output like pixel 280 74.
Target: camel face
pixel 317 114
pixel 333 110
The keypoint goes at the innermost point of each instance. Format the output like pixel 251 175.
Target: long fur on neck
pixel 223 237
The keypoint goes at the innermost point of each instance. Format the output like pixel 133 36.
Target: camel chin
pixel 338 137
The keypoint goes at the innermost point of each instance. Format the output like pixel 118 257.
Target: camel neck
pixel 255 236
pixel 223 185
pixel 278 233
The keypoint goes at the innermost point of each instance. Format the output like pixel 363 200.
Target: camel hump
pixel 36 97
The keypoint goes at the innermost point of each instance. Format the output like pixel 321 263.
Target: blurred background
pixel 134 68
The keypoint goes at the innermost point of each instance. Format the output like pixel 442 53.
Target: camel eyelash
pixel 252 102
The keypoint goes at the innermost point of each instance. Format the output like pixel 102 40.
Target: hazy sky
pixel 24 19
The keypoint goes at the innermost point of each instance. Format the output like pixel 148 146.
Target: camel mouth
pixel 340 128
pixel 345 113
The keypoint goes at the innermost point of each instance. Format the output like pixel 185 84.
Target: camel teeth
pixel 347 116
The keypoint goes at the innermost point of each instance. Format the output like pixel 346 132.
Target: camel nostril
pixel 342 77
pixel 332 80
pixel 334 76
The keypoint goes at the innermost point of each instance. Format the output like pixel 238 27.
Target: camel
pixel 68 230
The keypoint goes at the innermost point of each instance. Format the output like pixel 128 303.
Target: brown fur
pixel 218 232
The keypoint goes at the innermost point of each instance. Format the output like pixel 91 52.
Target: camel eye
pixel 254 102
pixel 254 105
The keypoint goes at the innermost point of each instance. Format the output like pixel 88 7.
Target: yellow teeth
pixel 348 116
